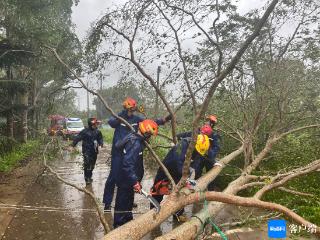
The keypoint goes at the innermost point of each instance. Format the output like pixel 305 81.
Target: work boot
pixel 134 205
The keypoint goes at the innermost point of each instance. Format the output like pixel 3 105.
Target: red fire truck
pixel 56 125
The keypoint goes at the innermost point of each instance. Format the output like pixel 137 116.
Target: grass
pixel 9 160
pixel 107 135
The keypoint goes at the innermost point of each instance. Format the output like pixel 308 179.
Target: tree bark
pixel 191 228
pixel 135 233
pixel 24 116
pixel 10 127
pixel 217 81
pixel 151 220
pixel 235 200
pixel 10 124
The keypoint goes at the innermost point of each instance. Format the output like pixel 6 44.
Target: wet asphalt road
pixel 52 210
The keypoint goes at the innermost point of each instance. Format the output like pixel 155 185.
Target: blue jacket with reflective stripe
pixel 88 136
pixel 131 168
pixel 120 132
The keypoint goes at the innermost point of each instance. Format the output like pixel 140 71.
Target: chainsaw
pixel 151 199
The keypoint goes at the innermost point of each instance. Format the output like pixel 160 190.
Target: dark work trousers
pixel 124 202
pixel 89 161
pixel 109 190
pixel 110 184
pixel 208 165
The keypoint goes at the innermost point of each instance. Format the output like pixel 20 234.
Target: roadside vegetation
pixel 10 159
pixel 107 134
pixel 293 151
pixel 262 85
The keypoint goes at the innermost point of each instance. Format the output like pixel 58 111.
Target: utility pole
pixel 88 108
pixel 156 109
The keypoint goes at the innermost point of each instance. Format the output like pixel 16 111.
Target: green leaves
pixel 9 160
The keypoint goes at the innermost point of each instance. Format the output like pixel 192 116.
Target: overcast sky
pixel 88 11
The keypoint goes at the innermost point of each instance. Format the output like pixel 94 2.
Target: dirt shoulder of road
pixel 13 186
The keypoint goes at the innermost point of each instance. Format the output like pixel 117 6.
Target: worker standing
pixel 120 132
pixel 91 139
pixel 131 170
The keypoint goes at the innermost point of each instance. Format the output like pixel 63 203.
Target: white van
pixel 72 127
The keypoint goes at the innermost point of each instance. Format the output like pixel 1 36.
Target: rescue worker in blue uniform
pixel 121 130
pixel 131 170
pixel 174 161
pixel 91 138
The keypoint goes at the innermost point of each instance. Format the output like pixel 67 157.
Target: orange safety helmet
pixel 148 127
pixel 212 118
pixel 129 103
pixel 206 130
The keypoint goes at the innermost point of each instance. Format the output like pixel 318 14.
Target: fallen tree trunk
pixel 199 197
pixel 192 228
pixel 151 220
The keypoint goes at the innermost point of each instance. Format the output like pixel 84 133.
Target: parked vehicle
pixel 72 127
pixel 56 125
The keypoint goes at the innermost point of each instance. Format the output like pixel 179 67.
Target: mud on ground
pixel 61 212
pixel 14 185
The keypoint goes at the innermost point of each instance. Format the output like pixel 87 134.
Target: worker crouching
pixel 174 161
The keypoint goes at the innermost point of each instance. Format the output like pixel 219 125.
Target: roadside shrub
pixel 20 152
pixel 107 135
pixel 7 145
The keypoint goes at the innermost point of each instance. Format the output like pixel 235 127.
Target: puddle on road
pixel 71 215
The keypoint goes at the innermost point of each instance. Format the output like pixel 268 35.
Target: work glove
pixel 191 184
pixel 217 164
pixel 137 187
